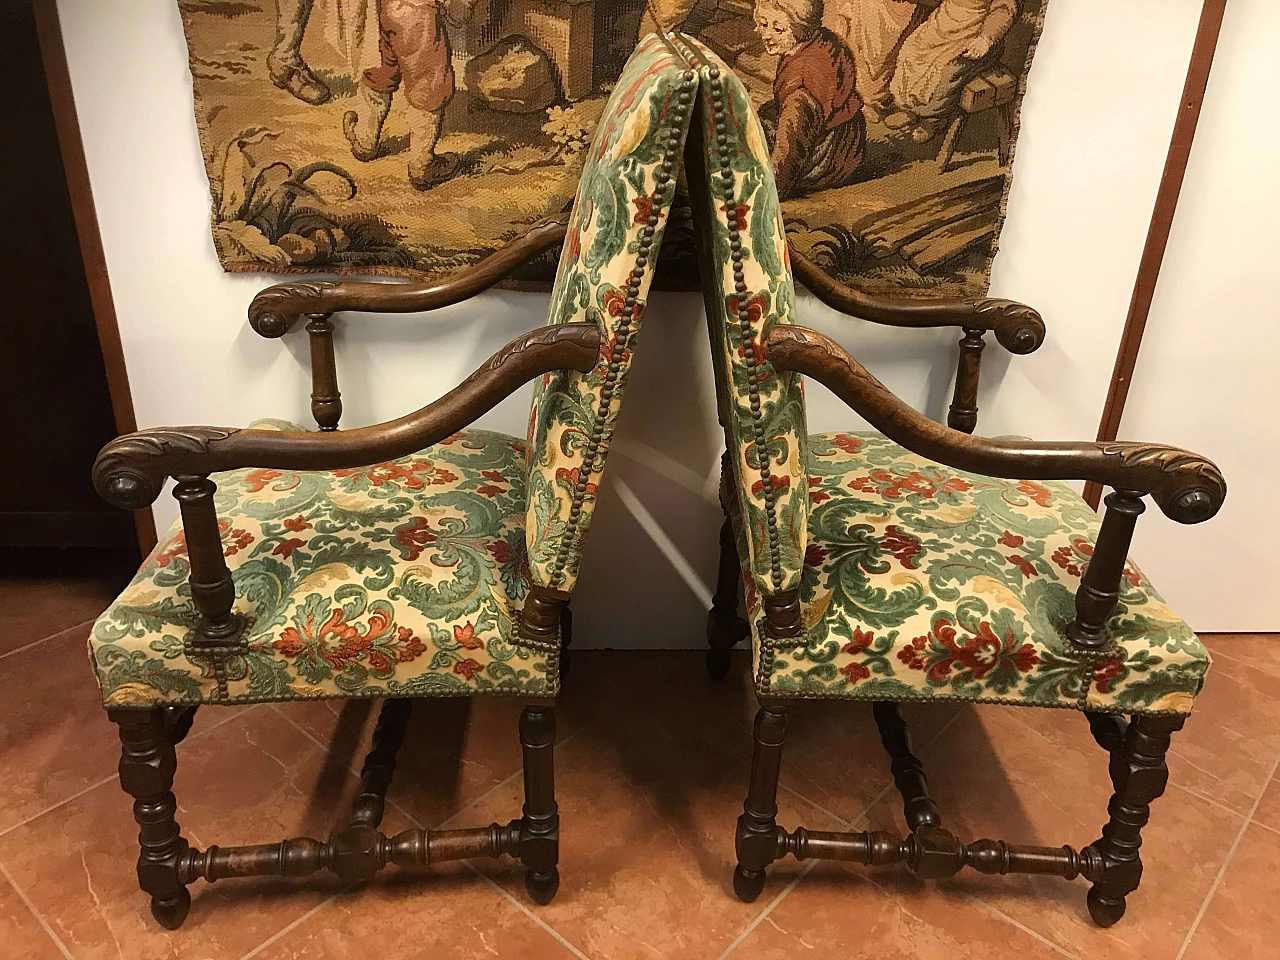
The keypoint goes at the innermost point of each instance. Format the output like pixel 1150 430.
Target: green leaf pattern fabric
pixel 922 582
pixel 606 268
pixel 747 291
pixel 398 579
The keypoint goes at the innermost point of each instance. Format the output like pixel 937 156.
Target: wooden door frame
pixel 58 77
pixel 1166 205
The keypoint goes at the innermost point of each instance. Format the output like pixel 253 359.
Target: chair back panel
pixel 606 267
pixel 747 288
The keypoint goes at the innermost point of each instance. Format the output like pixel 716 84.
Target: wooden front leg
pixel 1139 775
pixel 147 765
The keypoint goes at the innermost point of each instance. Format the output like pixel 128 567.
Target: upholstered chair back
pixel 747 288
pixel 606 268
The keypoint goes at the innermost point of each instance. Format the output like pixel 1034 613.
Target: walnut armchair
pixel 417 557
pixel 921 563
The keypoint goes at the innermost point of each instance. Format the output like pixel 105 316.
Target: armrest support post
pixel 326 401
pixel 963 415
pixel 218 633
pixel 1099 589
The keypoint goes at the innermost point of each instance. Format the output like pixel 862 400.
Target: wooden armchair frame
pixel 130 473
pixel 1187 488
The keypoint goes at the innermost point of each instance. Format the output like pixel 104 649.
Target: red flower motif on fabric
pixel 644 207
pixel 816 495
pixel 982 654
pixel 286 548
pixel 1105 676
pixel 1037 493
pixel 297 524
pixel 861 640
pixel 814 555
pixel 415 475
pixel 755 310
pixel 855 671
pixel 467 668
pixel 238 539
pixel 405 648
pixel 778 483
pixel 257 480
pixel 1022 563
pixel 846 442
pixel 1070 558
pixel 336 642
pixel 466 636
pixel 414 537
pixel 1011 540
pixel 903 546
pixel 738 214
pixel 895 488
pixel 496 485
pixel 1131 575
pixel 570 477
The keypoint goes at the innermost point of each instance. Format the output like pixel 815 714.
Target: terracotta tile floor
pixel 652 766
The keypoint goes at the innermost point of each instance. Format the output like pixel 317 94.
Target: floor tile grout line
pixel 763 915
pixel 1226 863
pixel 296 922
pixel 1218 804
pixel 105 780
pixel 52 636
pixel 39 917
pixel 1017 924
pixel 525 910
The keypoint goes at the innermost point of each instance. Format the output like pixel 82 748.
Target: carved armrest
pixel 130 470
pixel 1019 328
pixel 1187 487
pixel 277 308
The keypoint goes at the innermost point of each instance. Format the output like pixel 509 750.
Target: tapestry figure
pixel 819 131
pixel 940 57
pixel 285 65
pixel 874 31
pixel 414 47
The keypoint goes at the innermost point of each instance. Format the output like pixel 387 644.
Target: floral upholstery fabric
pixel 606 267
pixel 922 582
pixel 747 290
pixel 399 579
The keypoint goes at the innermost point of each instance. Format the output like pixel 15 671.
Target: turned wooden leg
pixel 908 772
pixel 177 722
pixel 1139 775
pixel 380 763
pixel 147 764
pixel 725 628
pixel 757 837
pixel 540 825
pixel 1108 730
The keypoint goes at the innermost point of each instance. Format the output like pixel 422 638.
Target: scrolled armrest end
pixel 130 471
pixel 1018 328
pixel 277 308
pixel 1187 487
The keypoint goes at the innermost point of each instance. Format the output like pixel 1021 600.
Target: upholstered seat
pixel 923 582
pixel 400 579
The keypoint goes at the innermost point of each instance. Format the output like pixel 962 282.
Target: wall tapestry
pixel 414 137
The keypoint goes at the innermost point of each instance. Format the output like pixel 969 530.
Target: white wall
pixel 1095 129
pixel 1206 377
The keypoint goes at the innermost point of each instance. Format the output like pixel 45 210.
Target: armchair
pixel 922 563
pixel 417 557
